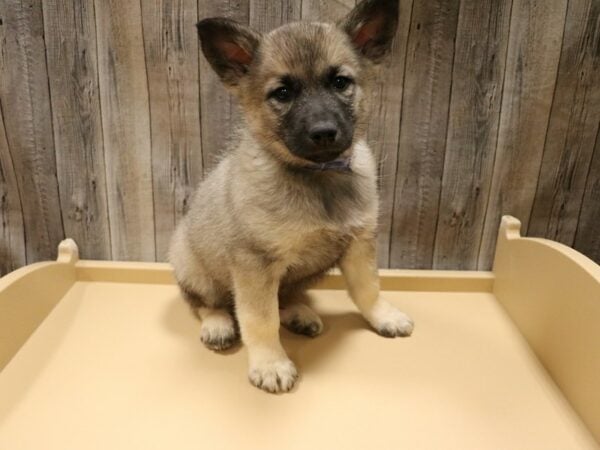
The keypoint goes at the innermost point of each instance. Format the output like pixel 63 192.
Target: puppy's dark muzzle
pixel 321 142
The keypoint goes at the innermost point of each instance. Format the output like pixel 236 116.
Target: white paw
pixel 273 376
pixel 218 331
pixel 300 319
pixel 389 321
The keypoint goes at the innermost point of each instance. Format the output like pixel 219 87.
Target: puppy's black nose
pixel 323 133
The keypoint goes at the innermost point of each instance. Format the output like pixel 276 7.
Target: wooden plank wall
pixel 109 116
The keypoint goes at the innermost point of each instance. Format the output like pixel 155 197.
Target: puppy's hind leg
pixel 298 317
pixel 207 299
pixel 218 331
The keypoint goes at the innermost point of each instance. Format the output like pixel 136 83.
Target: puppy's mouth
pixel 324 156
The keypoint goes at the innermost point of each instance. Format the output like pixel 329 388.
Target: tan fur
pixel 258 231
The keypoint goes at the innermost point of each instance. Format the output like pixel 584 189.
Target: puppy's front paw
pixel 273 376
pixel 389 321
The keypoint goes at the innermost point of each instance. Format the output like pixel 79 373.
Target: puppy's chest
pixel 313 251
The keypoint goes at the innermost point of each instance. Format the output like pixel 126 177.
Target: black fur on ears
pixel 228 46
pixel 371 26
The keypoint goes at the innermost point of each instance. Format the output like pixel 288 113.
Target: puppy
pixel 298 194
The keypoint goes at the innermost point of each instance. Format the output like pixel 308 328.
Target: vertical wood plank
pixel 423 132
pixel 126 129
pixel 533 52
pixel 12 237
pixel 326 10
pixel 478 75
pixel 70 33
pixel 265 15
pixel 587 239
pixel 220 113
pixel 25 100
pixel 384 127
pixel 171 49
pixel 574 120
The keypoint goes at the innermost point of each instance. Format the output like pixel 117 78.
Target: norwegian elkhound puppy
pixel 297 195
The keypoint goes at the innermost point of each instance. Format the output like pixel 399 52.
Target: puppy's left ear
pixel 371 26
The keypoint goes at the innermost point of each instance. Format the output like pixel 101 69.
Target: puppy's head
pixel 303 86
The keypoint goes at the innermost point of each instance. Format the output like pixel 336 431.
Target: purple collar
pixel 337 165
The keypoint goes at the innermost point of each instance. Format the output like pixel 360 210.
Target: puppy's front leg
pixel 257 308
pixel 359 268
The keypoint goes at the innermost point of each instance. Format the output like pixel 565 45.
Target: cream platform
pixel 105 355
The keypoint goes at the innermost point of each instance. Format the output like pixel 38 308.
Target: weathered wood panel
pixel 533 53
pixel 219 109
pixel 484 108
pixel 12 238
pixel 587 239
pixel 265 15
pixel 325 10
pixel 27 117
pixel 70 37
pixel 171 50
pixel 384 126
pixel 423 132
pixel 126 129
pixel 572 129
pixel 477 78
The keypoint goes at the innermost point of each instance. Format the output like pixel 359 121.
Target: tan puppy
pixel 297 195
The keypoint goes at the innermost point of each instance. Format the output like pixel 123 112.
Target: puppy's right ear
pixel 229 47
pixel 371 26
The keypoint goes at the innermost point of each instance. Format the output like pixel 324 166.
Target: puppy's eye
pixel 282 94
pixel 340 83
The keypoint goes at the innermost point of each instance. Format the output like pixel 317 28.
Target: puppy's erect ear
pixel 371 26
pixel 228 46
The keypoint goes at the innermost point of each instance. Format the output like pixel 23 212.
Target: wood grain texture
pixel 220 112
pixel 70 37
pixel 110 115
pixel 423 132
pixel 27 117
pixel 126 129
pixel 266 15
pixel 478 75
pixel 326 10
pixel 12 237
pixel 533 53
pixel 573 126
pixel 587 238
pixel 384 127
pixel 171 50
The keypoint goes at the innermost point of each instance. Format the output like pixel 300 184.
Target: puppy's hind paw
pixel 218 331
pixel 219 342
pixel 300 319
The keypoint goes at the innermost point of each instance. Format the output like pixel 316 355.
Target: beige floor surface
pixel 120 366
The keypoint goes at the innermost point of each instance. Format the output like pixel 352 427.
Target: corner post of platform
pixel 68 252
